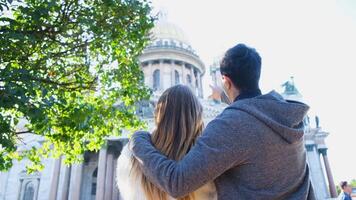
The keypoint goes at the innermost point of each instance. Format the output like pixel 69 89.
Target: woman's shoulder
pixel 124 162
pixel 126 152
pixel 128 185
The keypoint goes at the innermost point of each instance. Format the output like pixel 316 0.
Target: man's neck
pixel 246 94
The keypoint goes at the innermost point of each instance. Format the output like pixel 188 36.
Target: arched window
pixel 93 184
pixel 156 79
pixel 189 79
pixel 29 192
pixel 159 43
pixel 176 77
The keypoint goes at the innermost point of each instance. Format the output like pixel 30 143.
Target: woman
pixel 178 120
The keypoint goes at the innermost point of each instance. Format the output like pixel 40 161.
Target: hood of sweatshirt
pixel 284 117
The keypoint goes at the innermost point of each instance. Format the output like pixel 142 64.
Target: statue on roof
pixel 317 122
pixel 290 88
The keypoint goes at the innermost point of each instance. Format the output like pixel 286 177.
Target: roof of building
pixel 166 30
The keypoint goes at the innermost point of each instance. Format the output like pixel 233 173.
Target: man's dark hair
pixel 242 65
pixel 343 184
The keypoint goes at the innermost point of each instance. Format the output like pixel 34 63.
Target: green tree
pixel 69 68
pixel 353 182
pixel 338 189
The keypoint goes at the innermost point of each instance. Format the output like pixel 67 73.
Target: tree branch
pixel 23 132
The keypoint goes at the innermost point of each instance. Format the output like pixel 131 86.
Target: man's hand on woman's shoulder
pixel 138 138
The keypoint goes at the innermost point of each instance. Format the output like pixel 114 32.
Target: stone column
pixel 147 73
pixel 66 182
pixel 75 188
pixel 116 194
pixel 3 183
pixel 109 176
pixel 173 74
pixel 183 80
pixel 194 86
pixel 149 78
pixel 189 72
pixel 100 187
pixel 192 75
pixel 37 188
pixel 199 86
pixel 20 190
pixel 316 171
pixel 161 75
pixel 166 75
pixel 332 187
pixel 55 179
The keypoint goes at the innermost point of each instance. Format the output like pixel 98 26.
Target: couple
pixel 253 150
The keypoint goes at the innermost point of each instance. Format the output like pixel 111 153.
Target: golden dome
pixel 166 30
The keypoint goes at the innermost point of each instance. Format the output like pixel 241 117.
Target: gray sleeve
pixel 216 151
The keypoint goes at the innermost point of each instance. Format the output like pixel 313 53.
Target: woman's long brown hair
pixel 178 118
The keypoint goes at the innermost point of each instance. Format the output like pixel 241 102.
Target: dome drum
pixel 169 60
pixel 151 56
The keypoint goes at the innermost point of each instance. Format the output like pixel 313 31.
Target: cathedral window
pixel 159 43
pixel 156 79
pixel 176 77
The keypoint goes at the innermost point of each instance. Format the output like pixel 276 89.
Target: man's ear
pixel 226 82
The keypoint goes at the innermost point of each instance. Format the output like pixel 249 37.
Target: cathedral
pixel 168 60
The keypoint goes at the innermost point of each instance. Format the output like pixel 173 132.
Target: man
pixel 253 150
pixel 346 191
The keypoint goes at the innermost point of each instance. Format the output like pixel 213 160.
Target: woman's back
pixel 130 186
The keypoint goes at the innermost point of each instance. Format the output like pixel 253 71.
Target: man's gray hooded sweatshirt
pixel 253 150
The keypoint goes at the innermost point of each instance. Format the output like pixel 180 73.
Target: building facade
pixel 167 61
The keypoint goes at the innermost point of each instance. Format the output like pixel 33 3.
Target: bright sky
pixel 314 41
